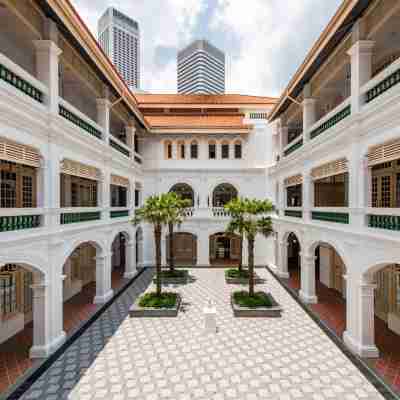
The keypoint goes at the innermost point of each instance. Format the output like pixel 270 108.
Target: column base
pixel 45 351
pixel 278 272
pixel 307 298
pixel 130 274
pixel 357 348
pixel 103 298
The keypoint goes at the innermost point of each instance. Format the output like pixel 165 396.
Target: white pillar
pixel 309 116
pixel 282 267
pixel 130 259
pixel 105 193
pixel 281 197
pixel 360 318
pixel 308 284
pixel 203 250
pixel 103 279
pixel 103 116
pixel 307 195
pixel 361 70
pixel 47 61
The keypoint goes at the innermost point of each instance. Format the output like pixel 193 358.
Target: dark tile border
pixel 34 373
pixel 380 385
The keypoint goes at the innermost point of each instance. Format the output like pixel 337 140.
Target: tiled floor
pixel 331 308
pixel 285 358
pixel 14 353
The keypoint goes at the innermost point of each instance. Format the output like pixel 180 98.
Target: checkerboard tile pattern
pixel 172 358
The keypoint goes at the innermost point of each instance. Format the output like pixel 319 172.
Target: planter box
pixel 137 311
pixel 174 281
pixel 271 312
pixel 243 281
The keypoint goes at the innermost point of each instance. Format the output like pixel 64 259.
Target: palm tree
pixel 254 220
pixel 175 216
pixel 155 212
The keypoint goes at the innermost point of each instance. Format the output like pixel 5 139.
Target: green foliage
pixel 175 208
pixel 258 299
pixel 236 273
pixel 175 273
pixel 154 300
pixel 154 211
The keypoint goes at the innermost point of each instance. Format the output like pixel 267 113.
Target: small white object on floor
pixel 210 318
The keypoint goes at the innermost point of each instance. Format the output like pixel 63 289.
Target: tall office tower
pixel 119 37
pixel 201 69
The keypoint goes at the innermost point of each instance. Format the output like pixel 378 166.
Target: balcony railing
pixel 188 212
pixel 18 222
pixel 294 213
pixel 75 217
pixel 73 115
pixel 220 212
pixel 21 80
pixel 331 119
pixel 384 218
pixel 119 146
pixel 293 146
pixel 119 213
pixel 138 158
pixel 382 82
pixel 331 216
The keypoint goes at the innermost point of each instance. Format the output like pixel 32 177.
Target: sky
pixel 265 41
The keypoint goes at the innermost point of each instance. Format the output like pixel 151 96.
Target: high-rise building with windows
pixel 201 69
pixel 119 37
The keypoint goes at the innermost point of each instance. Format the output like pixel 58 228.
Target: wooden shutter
pixel 294 180
pixel 385 152
pixel 75 168
pixel 119 181
pixel 329 169
pixel 19 153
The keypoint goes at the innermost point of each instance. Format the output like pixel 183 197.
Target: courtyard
pixel 142 358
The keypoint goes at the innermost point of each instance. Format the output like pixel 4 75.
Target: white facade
pixel 201 69
pixel 119 37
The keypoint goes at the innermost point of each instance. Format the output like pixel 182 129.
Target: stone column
pixel 47 66
pixel 308 284
pixel 282 264
pixel 103 116
pixel 203 250
pixel 281 197
pixel 307 195
pixel 105 193
pixel 130 136
pixel 283 140
pixel 360 318
pixel 103 279
pixel 309 111
pixel 130 259
pixel 361 70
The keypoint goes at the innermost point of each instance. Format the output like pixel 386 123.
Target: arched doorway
pixel 119 259
pixel 184 191
pixel 223 194
pixel 293 260
pixel 185 248
pixel 224 249
pixel 139 247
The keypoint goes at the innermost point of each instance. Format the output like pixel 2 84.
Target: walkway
pixel 248 359
pixel 331 308
pixel 14 353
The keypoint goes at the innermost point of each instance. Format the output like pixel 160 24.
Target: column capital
pixel 39 289
pixel 47 46
pixel 361 47
pixel 104 102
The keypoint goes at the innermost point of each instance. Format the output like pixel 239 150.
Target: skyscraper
pixel 201 69
pixel 119 37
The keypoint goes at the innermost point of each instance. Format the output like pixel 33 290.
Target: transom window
pixel 223 194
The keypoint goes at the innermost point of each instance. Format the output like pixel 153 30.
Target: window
pixel 238 150
pixel 331 191
pixel 83 192
pixel 168 150
pixel 194 150
pixel 212 151
pixel 223 194
pixel 137 197
pixel 294 195
pixel 118 196
pixel 225 150
pixel 184 191
pixel 182 150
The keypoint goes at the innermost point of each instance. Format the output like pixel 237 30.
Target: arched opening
pixel 181 150
pixel 224 249
pixel 212 149
pixel 185 248
pixel 167 150
pixel 21 319
pixel 238 149
pixel 225 150
pixel 119 260
pixel 139 246
pixel 223 194
pixel 194 150
pixel 184 191
pixel 293 260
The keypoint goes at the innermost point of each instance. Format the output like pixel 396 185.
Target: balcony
pixel 71 216
pixel 15 219
pixel 21 80
pixel 331 119
pixel 293 146
pixel 119 146
pixel 328 214
pixel 384 218
pixel 294 212
pixel 220 212
pixel 119 213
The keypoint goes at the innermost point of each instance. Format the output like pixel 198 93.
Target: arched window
pixel 238 149
pixel 225 150
pixel 212 150
pixel 194 150
pixel 223 194
pixel 184 191
pixel 168 150
pixel 181 150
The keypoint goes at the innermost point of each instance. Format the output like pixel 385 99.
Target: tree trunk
pixel 171 247
pixel 157 238
pixel 241 253
pixel 250 242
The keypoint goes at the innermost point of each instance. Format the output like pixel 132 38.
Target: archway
pixel 139 247
pixel 293 260
pixel 119 259
pixel 22 319
pixel 223 194
pixel 185 191
pixel 224 249
pixel 185 249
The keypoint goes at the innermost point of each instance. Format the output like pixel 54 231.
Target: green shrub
pixel 152 300
pixel 176 273
pixel 260 299
pixel 235 273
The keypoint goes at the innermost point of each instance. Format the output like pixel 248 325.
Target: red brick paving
pixel 331 308
pixel 14 353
